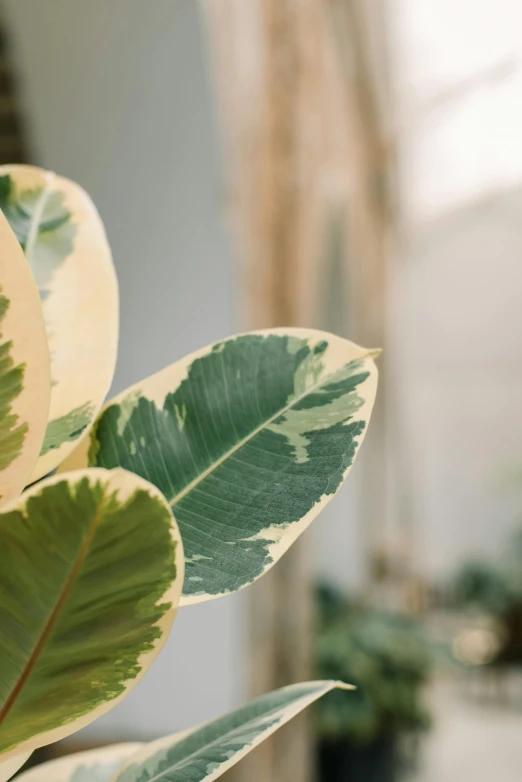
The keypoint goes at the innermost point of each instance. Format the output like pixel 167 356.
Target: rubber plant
pixel 188 486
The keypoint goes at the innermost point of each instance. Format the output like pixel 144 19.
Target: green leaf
pixel 12 431
pixel 68 427
pixel 248 439
pixel 91 570
pixel 24 368
pixel 95 765
pixel 63 238
pixel 207 752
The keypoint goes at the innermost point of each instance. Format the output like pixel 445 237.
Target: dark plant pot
pixel 349 761
pixel 511 652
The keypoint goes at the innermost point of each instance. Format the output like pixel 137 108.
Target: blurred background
pixel 352 165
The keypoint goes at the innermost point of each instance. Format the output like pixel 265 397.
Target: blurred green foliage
pixel 492 586
pixel 483 586
pixel 495 589
pixel 388 658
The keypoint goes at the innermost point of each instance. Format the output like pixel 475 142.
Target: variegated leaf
pixel 9 767
pixel 64 241
pixel 24 368
pixel 248 439
pixel 207 752
pixel 91 571
pixel 95 765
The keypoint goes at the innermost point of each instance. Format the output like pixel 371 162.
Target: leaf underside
pixel 95 765
pixel 55 235
pixel 61 234
pixel 206 753
pixel 55 230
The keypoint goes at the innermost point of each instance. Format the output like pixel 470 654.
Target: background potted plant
pixel 494 590
pixel 389 659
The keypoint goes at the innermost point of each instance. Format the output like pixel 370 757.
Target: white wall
pixel 117 97
pixel 458 320
pixel 459 329
pixel 458 73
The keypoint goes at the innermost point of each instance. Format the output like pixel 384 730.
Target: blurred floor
pixel 471 740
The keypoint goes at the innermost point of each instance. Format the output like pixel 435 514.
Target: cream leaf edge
pixel 62 769
pixel 9 767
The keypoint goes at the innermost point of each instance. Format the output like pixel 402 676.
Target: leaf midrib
pixel 55 613
pixel 209 470
pixel 32 234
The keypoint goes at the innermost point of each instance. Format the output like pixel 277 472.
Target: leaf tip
pixel 344 686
